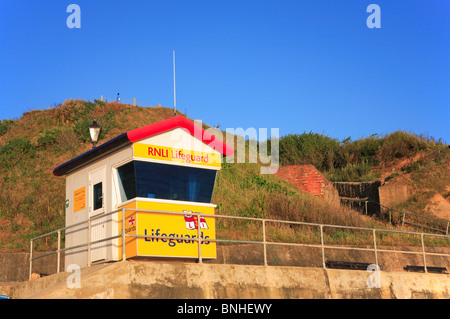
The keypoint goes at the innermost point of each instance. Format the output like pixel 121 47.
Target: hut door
pixel 97 207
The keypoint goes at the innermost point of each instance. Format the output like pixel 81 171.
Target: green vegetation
pixel 5 125
pixel 432 173
pixel 32 199
pixel 353 160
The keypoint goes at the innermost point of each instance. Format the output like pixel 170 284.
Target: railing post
pixel 124 256
pixel 264 241
pixel 89 242
pixel 446 232
pixel 366 207
pixel 323 248
pixel 423 252
pixel 59 252
pixel 403 219
pixel 375 246
pixel 31 258
pixel 199 240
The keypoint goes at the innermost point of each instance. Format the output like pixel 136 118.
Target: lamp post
pixel 94 132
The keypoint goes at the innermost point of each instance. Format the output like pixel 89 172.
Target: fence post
pixel 123 235
pixel 403 219
pixel 264 241
pixel 446 232
pixel 31 257
pixel 375 247
pixel 59 252
pixel 423 252
pixel 366 206
pixel 134 101
pixel 323 248
pixel 199 240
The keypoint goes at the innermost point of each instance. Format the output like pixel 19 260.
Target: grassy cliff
pixel 32 199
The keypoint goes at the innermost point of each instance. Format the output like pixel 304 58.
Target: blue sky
pixel 298 65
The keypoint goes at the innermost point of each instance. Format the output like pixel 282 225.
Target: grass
pixel 432 173
pixel 32 199
pixel 240 191
pixel 349 160
pixel 360 172
pixel 277 232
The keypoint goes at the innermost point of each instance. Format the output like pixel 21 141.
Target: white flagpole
pixel 174 89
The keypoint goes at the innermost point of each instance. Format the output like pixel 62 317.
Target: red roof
pixel 180 122
pixel 141 133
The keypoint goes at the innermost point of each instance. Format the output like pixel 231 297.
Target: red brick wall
pixel 306 177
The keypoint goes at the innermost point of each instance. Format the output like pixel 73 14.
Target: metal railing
pixel 403 215
pixel 322 246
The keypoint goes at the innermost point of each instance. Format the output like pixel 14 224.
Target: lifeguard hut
pixel 160 178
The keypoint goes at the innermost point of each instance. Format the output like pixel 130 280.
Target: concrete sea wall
pixel 145 279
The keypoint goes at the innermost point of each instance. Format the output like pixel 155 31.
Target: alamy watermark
pixel 74 279
pixel 374 280
pixel 374 19
pixel 74 19
pixel 250 145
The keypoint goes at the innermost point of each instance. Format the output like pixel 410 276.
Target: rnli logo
pixel 191 221
pixel 131 224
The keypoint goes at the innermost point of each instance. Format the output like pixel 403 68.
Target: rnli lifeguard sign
pixel 161 179
pixel 176 155
pixel 170 235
